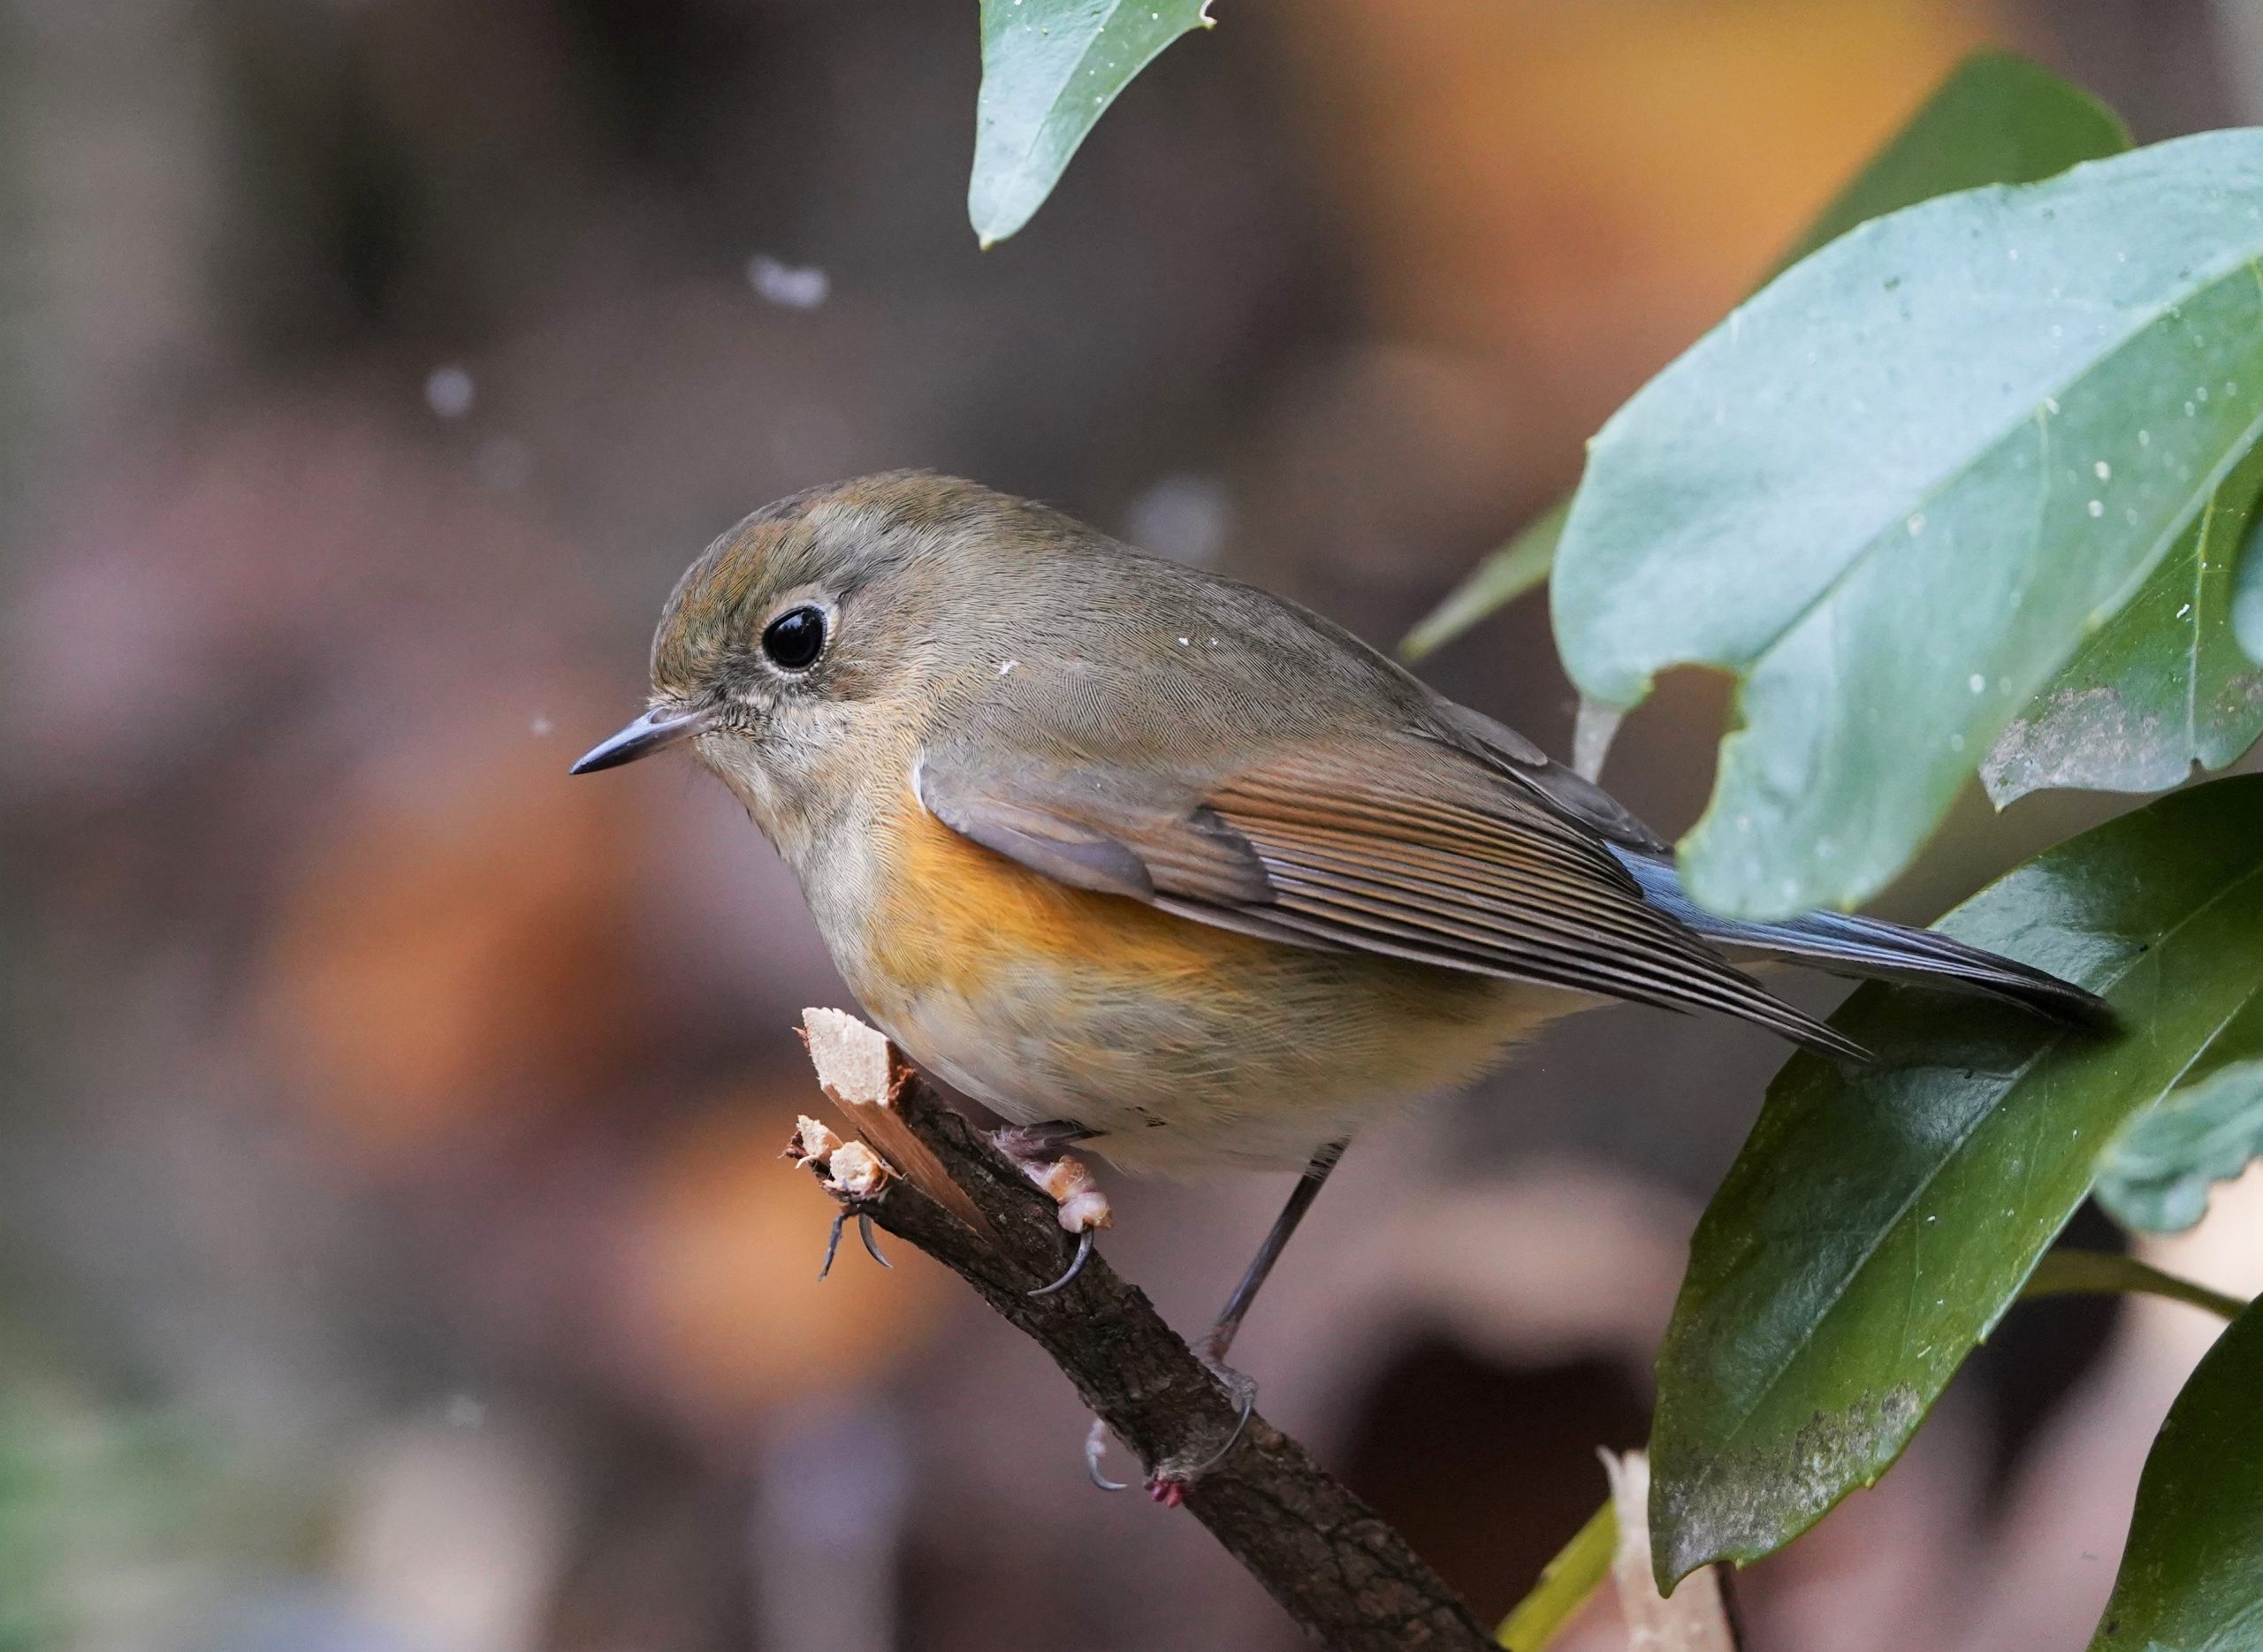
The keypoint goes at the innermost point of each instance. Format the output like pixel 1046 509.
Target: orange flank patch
pixel 956 915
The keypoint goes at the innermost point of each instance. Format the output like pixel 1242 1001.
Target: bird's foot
pixel 864 1232
pixel 1035 1150
pixel 1168 1481
pixel 853 1174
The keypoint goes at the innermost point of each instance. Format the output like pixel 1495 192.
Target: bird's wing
pixel 1564 790
pixel 1405 845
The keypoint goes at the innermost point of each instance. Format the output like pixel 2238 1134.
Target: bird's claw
pixel 864 1232
pixel 1168 1483
pixel 1075 1265
pixel 1036 1151
pixel 1095 1452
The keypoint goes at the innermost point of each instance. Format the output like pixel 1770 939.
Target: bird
pixel 1140 856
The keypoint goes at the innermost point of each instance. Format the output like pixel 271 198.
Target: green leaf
pixel 1881 1220
pixel 1896 490
pixel 1504 575
pixel 1049 69
pixel 2156 1175
pixel 1997 120
pixel 2191 1576
pixel 2161 686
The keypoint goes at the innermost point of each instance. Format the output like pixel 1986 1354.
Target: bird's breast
pixel 1183 1043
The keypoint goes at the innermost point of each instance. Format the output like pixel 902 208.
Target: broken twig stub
pixel 864 1075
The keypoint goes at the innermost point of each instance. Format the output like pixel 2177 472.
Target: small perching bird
pixel 1142 856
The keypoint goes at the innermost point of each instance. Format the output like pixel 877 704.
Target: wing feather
pixel 1467 882
pixel 1408 848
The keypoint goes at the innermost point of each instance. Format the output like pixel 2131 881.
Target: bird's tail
pixel 1869 947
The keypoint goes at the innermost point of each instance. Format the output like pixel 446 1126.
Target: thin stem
pixel 2064 1272
pixel 1565 1583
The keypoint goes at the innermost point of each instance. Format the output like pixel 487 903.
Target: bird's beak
pixel 662 727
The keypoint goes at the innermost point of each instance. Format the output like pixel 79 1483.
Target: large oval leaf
pixel 2191 1576
pixel 1997 120
pixel 1050 68
pixel 2163 685
pixel 1881 1220
pixel 1897 489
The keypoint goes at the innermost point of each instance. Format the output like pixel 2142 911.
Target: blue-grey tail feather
pixel 1844 944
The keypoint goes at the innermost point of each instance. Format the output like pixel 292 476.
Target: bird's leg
pixel 1168 1483
pixel 1212 1348
pixel 1038 1145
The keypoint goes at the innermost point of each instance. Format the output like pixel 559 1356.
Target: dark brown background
pixel 392 1248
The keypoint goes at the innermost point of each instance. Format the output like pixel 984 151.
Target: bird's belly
pixel 1180 1092
pixel 1183 1045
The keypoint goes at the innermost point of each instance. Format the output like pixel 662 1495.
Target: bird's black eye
pixel 794 639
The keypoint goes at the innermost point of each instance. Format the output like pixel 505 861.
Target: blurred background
pixel 394 1251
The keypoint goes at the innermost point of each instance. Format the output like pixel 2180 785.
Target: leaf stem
pixel 1565 1582
pixel 2065 1272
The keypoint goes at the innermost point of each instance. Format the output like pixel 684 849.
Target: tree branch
pixel 1329 1560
